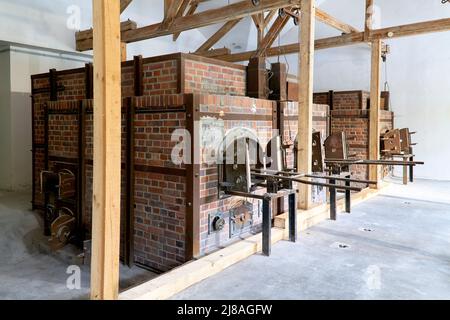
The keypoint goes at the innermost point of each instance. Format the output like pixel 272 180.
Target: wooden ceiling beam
pixel 328 19
pixel 230 12
pixel 412 29
pixel 205 18
pixel 258 20
pixel 214 52
pixel 269 17
pixel 124 4
pixel 183 8
pixel 218 35
pixel 272 34
pixel 192 8
pixel 369 19
pixel 351 39
pixel 87 34
pixel 171 9
pixel 332 42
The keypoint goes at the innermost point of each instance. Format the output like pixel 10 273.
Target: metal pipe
pixel 317 176
pixel 295 179
pixel 374 162
pixel 340 179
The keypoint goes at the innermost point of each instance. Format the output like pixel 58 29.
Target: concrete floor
pixel 394 246
pixel 27 274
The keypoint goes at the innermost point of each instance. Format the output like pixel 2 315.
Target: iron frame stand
pixel 267 200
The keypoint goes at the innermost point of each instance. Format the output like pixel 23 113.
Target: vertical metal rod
pixel 81 180
pixel 53 85
pixel 33 149
pixel 130 184
pixel 333 215
pixel 348 197
pixel 411 171
pixel 46 138
pixel 47 223
pixel 292 218
pixel 267 226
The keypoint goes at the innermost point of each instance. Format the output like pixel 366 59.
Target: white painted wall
pixel 5 119
pixel 20 62
pixel 42 23
pixel 418 72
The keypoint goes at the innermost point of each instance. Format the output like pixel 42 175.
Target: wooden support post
pixel 107 149
pixel 405 171
pixel 368 21
pixel 258 19
pixel 123 51
pixel 305 103
pixel 375 97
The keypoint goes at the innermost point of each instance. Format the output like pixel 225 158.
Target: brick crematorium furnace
pixel 350 113
pixel 171 210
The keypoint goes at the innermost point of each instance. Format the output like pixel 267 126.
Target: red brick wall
pixel 211 76
pixel 160 220
pixel 39 101
pixel 63 135
pixel 161 77
pixel 320 123
pixel 355 124
pixel 127 81
pixel 350 115
pixel 344 100
pixel 160 198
